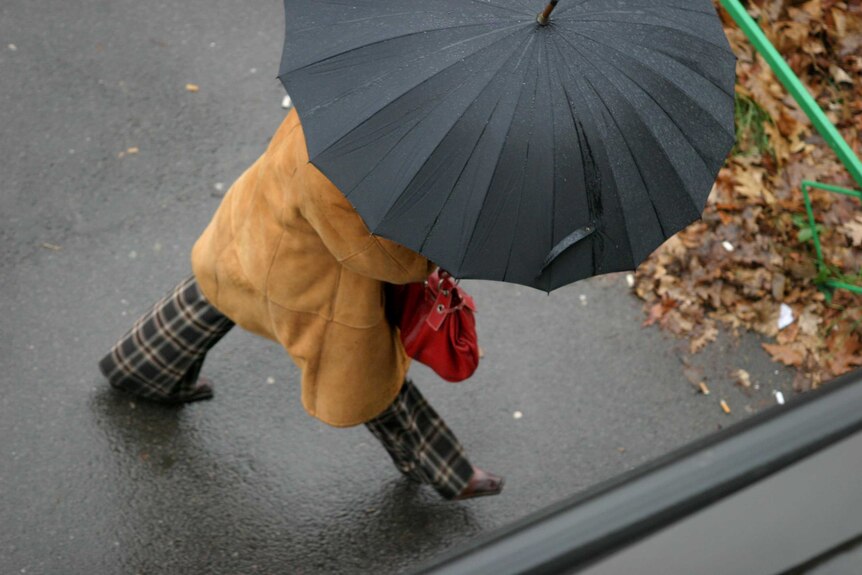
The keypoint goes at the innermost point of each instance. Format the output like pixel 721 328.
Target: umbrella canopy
pixel 508 147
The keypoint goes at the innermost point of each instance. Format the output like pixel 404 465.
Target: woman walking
pixel 288 258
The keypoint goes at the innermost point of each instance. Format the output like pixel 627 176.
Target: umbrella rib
pixel 461 173
pixel 496 165
pixel 723 47
pixel 571 6
pixel 651 5
pixel 636 163
pixel 523 177
pixel 657 103
pixel 594 217
pixel 473 151
pixel 668 115
pixel 383 157
pixel 623 137
pixel 507 8
pixel 426 80
pixel 604 104
pixel 384 40
pixel 654 50
pixel 357 20
pixel 553 159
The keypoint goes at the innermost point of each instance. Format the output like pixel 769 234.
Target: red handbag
pixel 437 325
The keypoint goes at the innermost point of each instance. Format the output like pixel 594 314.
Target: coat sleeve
pixel 348 239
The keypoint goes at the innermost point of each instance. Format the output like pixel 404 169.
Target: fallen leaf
pixel 846 355
pixel 853 230
pixel 658 311
pixel 749 184
pixel 708 334
pixel 789 354
pixel 809 322
pixel 788 334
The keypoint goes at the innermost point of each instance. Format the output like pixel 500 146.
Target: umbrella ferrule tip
pixel 544 16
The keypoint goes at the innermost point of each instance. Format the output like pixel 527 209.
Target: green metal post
pixel 815 235
pixel 794 85
pixel 812 222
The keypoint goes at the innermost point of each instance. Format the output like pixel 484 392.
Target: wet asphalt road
pixel 93 482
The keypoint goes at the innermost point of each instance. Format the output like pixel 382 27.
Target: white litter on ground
pixel 286 102
pixel 727 246
pixel 630 280
pixel 517 415
pixel 779 397
pixel 583 299
pixel 785 316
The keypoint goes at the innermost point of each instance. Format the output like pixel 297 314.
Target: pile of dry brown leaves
pixel 751 252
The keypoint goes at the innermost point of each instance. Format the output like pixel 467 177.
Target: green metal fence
pixel 820 121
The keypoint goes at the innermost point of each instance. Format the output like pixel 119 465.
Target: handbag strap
pixel 443 294
pixel 440 307
pixel 458 294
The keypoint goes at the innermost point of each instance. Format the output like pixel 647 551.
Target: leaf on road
pixel 789 354
pixel 708 334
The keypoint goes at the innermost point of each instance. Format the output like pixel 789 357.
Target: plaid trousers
pixel 162 355
pixel 421 444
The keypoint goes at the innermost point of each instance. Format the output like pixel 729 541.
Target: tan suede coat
pixel 287 257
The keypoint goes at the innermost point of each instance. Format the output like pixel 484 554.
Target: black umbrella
pixel 508 146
